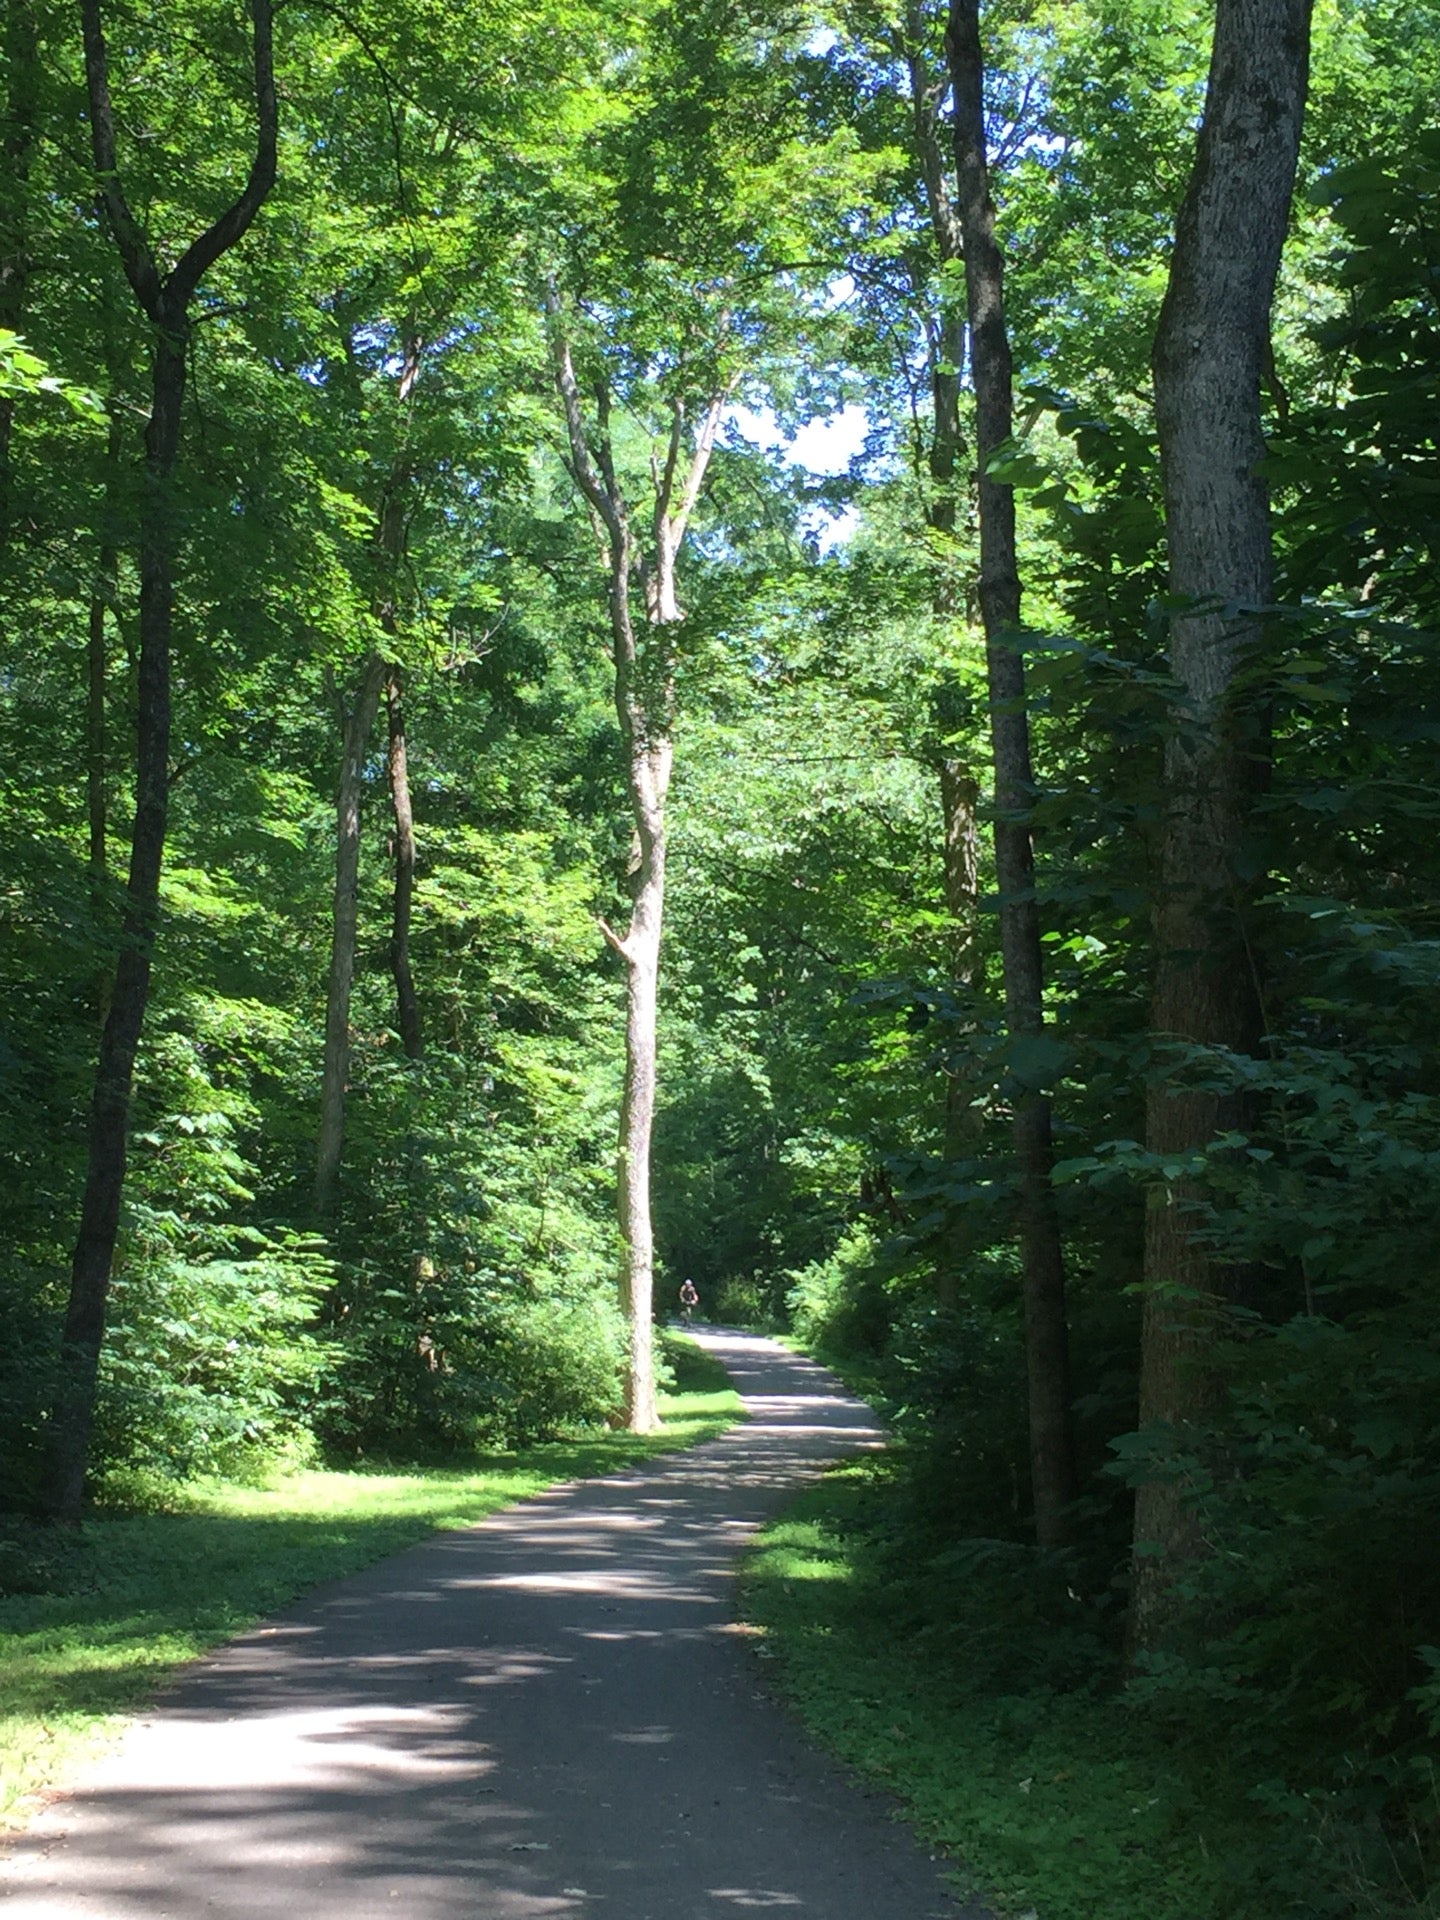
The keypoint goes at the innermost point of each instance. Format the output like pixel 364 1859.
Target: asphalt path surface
pixel 548 1714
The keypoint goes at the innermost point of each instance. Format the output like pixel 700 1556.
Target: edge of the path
pixel 114 1614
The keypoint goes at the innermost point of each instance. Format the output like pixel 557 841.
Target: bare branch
pixel 164 300
pixel 135 255
pixel 612 939
pixel 582 462
pixel 704 447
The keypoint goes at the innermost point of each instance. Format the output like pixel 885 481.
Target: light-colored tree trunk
pixel 1052 1461
pixel 645 707
pixel 1210 353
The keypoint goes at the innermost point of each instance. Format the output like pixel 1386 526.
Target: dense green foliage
pixel 731 197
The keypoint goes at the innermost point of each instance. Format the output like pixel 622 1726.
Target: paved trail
pixel 545 1715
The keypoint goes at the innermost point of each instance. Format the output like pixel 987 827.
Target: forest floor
pixel 91 1624
pixel 548 1714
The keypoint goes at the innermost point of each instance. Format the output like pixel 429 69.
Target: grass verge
pixel 91 1624
pixel 1060 1804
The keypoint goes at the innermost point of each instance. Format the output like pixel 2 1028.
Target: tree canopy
pixel 446 724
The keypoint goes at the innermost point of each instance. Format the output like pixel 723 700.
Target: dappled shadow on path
pixel 548 1714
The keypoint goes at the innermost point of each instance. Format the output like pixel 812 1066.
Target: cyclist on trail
pixel 689 1300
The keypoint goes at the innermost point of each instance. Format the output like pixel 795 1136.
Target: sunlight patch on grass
pixel 91 1625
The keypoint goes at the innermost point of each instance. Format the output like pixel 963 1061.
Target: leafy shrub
pixel 208 1364
pixel 840 1305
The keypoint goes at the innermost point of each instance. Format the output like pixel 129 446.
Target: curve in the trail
pixel 549 1714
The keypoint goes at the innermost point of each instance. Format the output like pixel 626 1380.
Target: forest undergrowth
pixel 983 1684
pixel 92 1622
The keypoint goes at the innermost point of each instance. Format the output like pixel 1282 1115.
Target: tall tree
pixel 357 724
pixel 165 299
pixel 645 707
pixel 379 674
pixel 1212 347
pixel 1052 1464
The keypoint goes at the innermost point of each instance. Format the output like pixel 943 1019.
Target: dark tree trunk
pixel 335 1069
pixel 166 304
pixel 959 790
pixel 1052 1464
pixel 947 340
pixel 22 61
pixel 1210 354
pixel 407 1006
pixel 104 595
pixel 959 802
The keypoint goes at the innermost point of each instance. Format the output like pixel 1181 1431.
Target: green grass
pixel 106 1615
pixel 1059 1804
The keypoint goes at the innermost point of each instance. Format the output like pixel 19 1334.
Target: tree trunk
pixel 645 707
pixel 1052 1465
pixel 104 596
pixel 166 304
pixel 649 780
pixel 947 342
pixel 120 1038
pixel 407 1006
pixel 959 790
pixel 959 800
pixel 1210 352
pixel 359 725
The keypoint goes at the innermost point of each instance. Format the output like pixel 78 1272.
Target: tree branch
pixel 162 299
pixel 582 462
pixel 612 939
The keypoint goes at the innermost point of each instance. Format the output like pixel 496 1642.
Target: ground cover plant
pixel 845 595
pixel 92 1623
pixel 1053 1796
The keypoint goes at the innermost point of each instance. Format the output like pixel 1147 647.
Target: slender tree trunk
pixel 959 801
pixel 335 1069
pixel 645 707
pixel 649 780
pixel 377 675
pixel 22 62
pixel 947 345
pixel 1210 353
pixel 166 303
pixel 120 1037
pixel 407 1005
pixel 959 790
pixel 1052 1463
pixel 103 595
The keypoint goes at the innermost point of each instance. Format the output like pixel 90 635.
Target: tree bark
pixel 947 343
pixel 645 707
pixel 1209 357
pixel 102 599
pixel 165 301
pixel 406 1003
pixel 1052 1463
pixel 959 803
pixel 378 674
pixel 335 1068
pixel 959 790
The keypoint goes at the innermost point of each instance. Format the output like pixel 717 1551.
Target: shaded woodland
pixel 454 721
